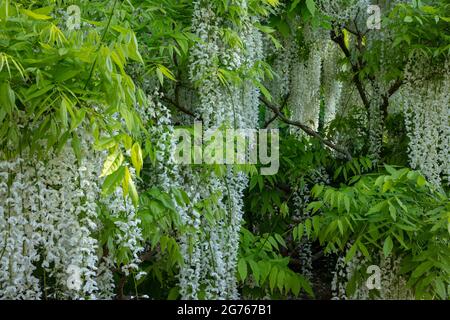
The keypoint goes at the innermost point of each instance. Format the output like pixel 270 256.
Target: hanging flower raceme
pixel 49 208
pixel 332 86
pixel 301 200
pixel 305 82
pixel 49 224
pixel 388 283
pixel 427 114
pixel 344 273
pixel 210 248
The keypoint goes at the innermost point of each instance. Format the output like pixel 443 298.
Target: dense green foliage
pixel 58 83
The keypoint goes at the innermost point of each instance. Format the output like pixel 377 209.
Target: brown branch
pixel 267 124
pixel 120 287
pixel 339 40
pixel 179 107
pixel 305 128
pixel 393 89
pixel 351 31
pixel 275 116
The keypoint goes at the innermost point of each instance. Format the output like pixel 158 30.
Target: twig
pixel 339 40
pixel 305 128
pixel 393 89
pixel 267 124
pixel 120 287
pixel 179 107
pixel 285 101
pixel 91 72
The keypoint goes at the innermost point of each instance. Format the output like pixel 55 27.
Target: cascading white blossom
pixel 210 248
pixel 204 55
pixel 48 222
pixel 301 200
pixel 305 82
pixel 393 284
pixel 344 10
pixel 343 273
pixel 332 85
pixel 129 235
pixel 53 216
pixel 375 123
pixel 279 86
pixel 426 110
pixel 18 238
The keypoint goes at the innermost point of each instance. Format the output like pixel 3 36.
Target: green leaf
pixel 408 19
pixel 273 278
pixel 421 181
pixel 387 185
pixel 273 242
pixel 311 6
pixel 300 229
pixel 280 240
pixel 160 76
pixel 7 98
pixel 166 72
pixel 78 119
pixel 347 203
pixel 400 203
pixel 351 253
pixel 284 209
pixel 255 270
pixel 363 249
pixel 126 182
pixel 280 280
pixel 112 181
pixel 306 286
pixel 393 212
pixel 105 143
pixel 390 169
pixel 35 15
pixel 173 294
pixel 136 157
pixel 340 226
pixel 63 111
pixel 308 227
pixel 294 4
pixel 242 269
pixel 421 269
pixel 263 90
pixel 440 288
pixel 253 182
pixel 132 47
pixel 273 3
pixel 133 193
pixel 387 247
pixel 112 163
pixel 316 225
pixel 295 285
pixel 264 267
pixel 317 190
